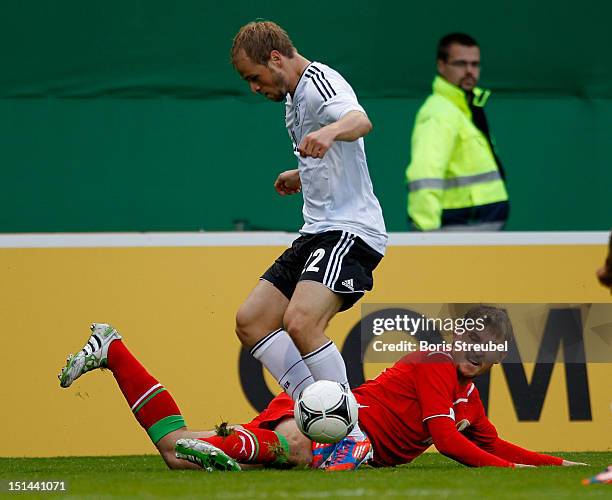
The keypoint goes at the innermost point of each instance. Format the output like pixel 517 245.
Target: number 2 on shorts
pixel 316 256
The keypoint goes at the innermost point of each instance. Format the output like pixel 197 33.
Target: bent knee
pixel 243 326
pixel 249 327
pixel 297 322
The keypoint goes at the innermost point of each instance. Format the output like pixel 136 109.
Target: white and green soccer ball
pixel 326 412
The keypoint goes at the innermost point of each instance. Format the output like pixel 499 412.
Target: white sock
pixel 326 363
pixel 278 354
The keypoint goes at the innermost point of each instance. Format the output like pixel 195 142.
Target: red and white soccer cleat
pixel 320 453
pixel 349 454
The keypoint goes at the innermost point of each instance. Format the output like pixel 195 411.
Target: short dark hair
pixel 259 38
pixel 496 321
pixel 447 40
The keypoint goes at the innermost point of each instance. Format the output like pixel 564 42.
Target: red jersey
pixel 397 404
pixel 418 402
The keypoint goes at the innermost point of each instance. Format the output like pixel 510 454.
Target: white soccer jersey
pixel 337 189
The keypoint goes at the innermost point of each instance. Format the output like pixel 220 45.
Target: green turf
pixel 431 475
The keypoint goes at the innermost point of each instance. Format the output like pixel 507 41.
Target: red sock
pixel 258 446
pixel 151 404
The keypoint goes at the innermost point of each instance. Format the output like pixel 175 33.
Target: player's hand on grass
pixel 317 143
pixel 288 183
pixel 569 463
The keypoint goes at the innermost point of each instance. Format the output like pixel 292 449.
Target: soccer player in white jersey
pixel 329 267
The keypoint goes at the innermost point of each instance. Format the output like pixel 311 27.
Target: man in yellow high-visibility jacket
pixel 455 179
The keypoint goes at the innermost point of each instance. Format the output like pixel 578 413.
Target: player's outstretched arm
pixel 450 442
pixel 516 454
pixel 513 453
pixel 484 434
pixel 288 182
pixel 352 126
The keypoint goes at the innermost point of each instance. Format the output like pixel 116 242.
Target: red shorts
pixel 280 408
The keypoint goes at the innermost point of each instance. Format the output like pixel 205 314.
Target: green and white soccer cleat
pixel 92 356
pixel 205 455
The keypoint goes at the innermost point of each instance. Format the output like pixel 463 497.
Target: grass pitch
pixel 431 475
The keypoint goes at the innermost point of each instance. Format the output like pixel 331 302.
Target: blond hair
pixel 258 39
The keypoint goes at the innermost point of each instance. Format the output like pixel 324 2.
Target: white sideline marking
pixel 271 239
pixel 342 493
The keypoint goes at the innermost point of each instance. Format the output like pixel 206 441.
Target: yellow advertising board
pixel 174 298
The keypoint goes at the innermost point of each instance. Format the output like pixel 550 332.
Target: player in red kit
pixel 424 399
pixel 429 398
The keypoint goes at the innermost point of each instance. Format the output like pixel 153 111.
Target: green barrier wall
pixel 124 116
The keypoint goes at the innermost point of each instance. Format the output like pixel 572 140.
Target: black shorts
pixel 341 261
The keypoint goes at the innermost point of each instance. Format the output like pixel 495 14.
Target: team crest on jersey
pixel 296 116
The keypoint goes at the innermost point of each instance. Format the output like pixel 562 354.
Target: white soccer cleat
pixel 92 356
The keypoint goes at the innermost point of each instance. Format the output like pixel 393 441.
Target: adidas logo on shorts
pixel 349 284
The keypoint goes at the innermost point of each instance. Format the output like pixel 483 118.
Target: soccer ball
pixel 325 412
